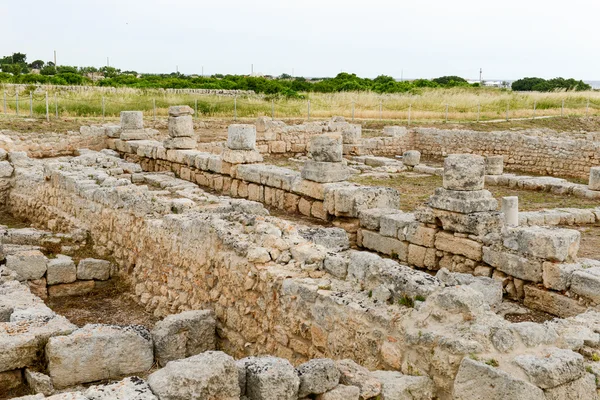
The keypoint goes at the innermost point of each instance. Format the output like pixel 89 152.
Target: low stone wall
pixel 52 144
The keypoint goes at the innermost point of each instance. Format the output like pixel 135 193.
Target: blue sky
pixel 424 39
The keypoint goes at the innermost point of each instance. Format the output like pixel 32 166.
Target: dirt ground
pixel 109 305
pixel 589 246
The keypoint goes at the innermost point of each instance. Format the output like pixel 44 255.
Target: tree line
pixel 16 69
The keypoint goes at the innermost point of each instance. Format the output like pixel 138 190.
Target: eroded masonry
pixel 341 295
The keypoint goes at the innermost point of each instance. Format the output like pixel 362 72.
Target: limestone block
pixel 370 219
pixel 210 375
pixel 38 382
pixel 180 143
pixel 395 131
pixel 183 335
pixel 349 200
pixel 132 388
pixel 180 111
pixel 28 265
pixel 241 156
pixel 395 385
pixel 317 376
pixel 558 276
pixel 71 289
pixel 583 388
pixel 241 137
pixel 6 169
pixel 586 282
pixel 464 172
pixel 476 380
pixel 549 243
pixel 494 165
pixel 182 126
pixel 91 268
pixel 325 172
pixel 510 209
pixel 594 180
pixel 456 245
pixel 341 392
pixel 139 134
pixel 353 374
pixel 352 134
pixel 513 264
pixel 326 148
pixel 132 120
pixel 491 289
pixel 464 202
pixel 97 352
pixel 386 245
pixel 395 224
pixel 61 270
pixel 418 234
pixel 479 224
pixel 336 265
pixel 270 378
pixel 411 158
pixel 551 302
pixel 10 380
pixel 555 368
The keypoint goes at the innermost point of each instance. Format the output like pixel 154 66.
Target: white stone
pixel 29 265
pixel 510 208
pixel 132 120
pixel 61 270
pixel 396 386
pixel 464 172
pixel 270 378
pixel 326 148
pixel 91 268
pixel 325 172
pixel 182 126
pixel 494 165
pixel 411 158
pixel 557 367
pixel 241 137
pixel 6 169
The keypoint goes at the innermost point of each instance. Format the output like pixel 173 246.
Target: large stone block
pixel 494 165
pixel 91 268
pixel 326 148
pixel 594 180
pixel 411 158
pixel 181 126
pixel 353 374
pixel 132 388
pixel 478 381
pixel 97 352
pixel 210 375
pixel 395 131
pixel 464 202
pixel 180 143
pixel 139 134
pixel 132 120
pixel 241 156
pixel 179 111
pixel 29 265
pixel 241 137
pixel 553 369
pixel 6 169
pixel 583 388
pixel 269 378
pixel 586 282
pixel 551 302
pixel 352 134
pixel 61 270
pixel 456 245
pixel 395 385
pixel 549 243
pixel 325 172
pixel 513 264
pixel 371 219
pixel 464 172
pixel 317 376
pixel 183 335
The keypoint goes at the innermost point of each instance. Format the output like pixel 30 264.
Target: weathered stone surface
pixel 132 388
pixel 396 224
pixel 396 386
pixel 464 202
pixel 241 156
pixel 182 126
pixel 549 243
pixel 557 276
pixel 180 143
pixel 326 148
pixel 325 172
pixel 92 268
pixel 386 245
pixel 10 380
pixel 594 180
pixel 270 378
pixel 77 288
pixel 370 219
pixel 317 376
pixel 556 368
pixel 129 135
pixel 241 137
pixel 28 265
pixel 179 111
pixel 210 375
pixel 352 134
pixel 411 158
pixel 395 131
pixel 494 165
pixel 513 264
pixel 491 289
pixel 38 382
pixel 583 388
pixel 6 169
pixel 457 245
pixel 97 352
pixel 551 302
pixel 478 381
pixel 353 374
pixel 61 270
pixel 586 282
pixel 132 120
pixel 183 335
pixel 341 392
pixel 464 172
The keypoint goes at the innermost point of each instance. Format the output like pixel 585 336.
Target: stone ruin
pixel 360 300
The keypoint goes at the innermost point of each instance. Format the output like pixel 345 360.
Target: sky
pixel 313 38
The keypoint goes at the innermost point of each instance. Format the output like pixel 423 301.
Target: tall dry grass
pixel 457 104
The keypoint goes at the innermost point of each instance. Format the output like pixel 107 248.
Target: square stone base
pixel 325 172
pixel 464 202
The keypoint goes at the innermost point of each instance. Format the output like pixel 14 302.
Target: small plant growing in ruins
pixel 595 357
pixel 394 255
pixel 473 356
pixel 406 301
pixel 419 298
pixel 370 293
pixel 492 362
pixel 589 369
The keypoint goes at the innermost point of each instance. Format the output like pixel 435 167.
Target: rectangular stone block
pixel 549 243
pixel 513 264
pixel 132 120
pixel 182 126
pixel 241 137
pixel 61 270
pixel 416 233
pixel 91 268
pixel 586 282
pixel 180 143
pixel 28 265
pixel 393 224
pixel 456 245
pixel 557 276
pixel 551 302
pixel 386 245
pixel 464 202
pixel 71 289
pixel 325 172
pixel 464 172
